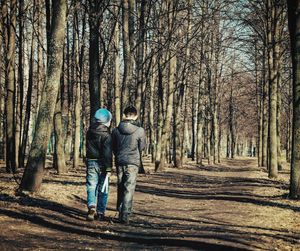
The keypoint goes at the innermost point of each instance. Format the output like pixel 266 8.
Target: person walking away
pixel 128 141
pixel 99 164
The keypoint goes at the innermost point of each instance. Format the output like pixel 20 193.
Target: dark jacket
pixel 98 145
pixel 128 141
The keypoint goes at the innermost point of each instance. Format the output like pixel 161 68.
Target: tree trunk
pixel 10 98
pixel 19 120
pixel 94 72
pixel 232 127
pixel 28 104
pixel 160 160
pixel 294 28
pixel 3 38
pixel 117 88
pixel 127 31
pixel 200 110
pixel 68 101
pixel 273 161
pixel 33 174
pixel 264 157
pixel 140 58
pixel 152 130
pixel 194 124
pixel 77 107
pixel 59 153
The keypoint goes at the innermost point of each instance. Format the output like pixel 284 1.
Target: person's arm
pixel 114 141
pixel 107 153
pixel 142 140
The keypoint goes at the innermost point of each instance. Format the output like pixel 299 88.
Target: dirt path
pixel 233 206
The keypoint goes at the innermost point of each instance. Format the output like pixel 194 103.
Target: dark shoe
pixel 100 216
pixel 124 221
pixel 91 214
pixel 124 218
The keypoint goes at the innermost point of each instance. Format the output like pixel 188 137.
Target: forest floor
pixel 231 206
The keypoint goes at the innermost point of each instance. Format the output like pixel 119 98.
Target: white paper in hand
pixel 105 185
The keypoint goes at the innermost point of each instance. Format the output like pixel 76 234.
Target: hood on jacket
pixel 98 127
pixel 128 127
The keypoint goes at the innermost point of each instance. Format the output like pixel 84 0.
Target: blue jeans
pixel 126 186
pixel 95 177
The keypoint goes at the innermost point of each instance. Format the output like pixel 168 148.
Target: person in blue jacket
pixel 99 164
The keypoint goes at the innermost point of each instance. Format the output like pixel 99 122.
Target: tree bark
pixel 273 160
pixel 160 160
pixel 3 38
pixel 33 174
pixel 294 28
pixel 264 157
pixel 28 104
pixel 11 92
pixel 19 110
pixel 59 153
pixel 140 58
pixel 77 111
pixel 232 127
pixel 117 88
pixel 127 31
pixel 94 72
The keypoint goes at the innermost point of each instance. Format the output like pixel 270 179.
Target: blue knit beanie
pixel 103 115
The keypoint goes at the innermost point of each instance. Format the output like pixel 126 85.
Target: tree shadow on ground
pixel 216 195
pixel 123 236
pixel 155 230
pixel 217 226
pixel 179 180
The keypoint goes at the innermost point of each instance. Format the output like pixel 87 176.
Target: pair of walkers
pixel 126 141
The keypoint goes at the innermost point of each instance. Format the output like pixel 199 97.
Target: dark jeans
pixel 126 186
pixel 95 176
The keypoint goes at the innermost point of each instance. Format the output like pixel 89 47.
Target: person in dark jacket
pixel 128 141
pixel 99 164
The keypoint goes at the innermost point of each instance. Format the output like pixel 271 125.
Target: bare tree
pixel 33 174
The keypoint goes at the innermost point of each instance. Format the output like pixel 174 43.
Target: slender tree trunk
pixel 160 162
pixel 10 98
pixel 219 137
pixel 94 73
pixel 59 153
pixel 33 174
pixel 117 88
pixel 200 106
pixel 280 167
pixel 228 145
pixel 19 110
pixel 265 140
pixel 68 101
pixel 127 31
pixel 294 28
pixel 160 117
pixel 3 16
pixel 151 118
pixel 232 125
pixel 194 124
pixel 278 69
pixel 28 104
pixel 289 126
pixel 178 126
pixel 140 58
pixel 77 111
pixel 273 160
pixel 259 105
pixel 48 8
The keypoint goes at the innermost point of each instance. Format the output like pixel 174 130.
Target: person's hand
pixel 108 174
